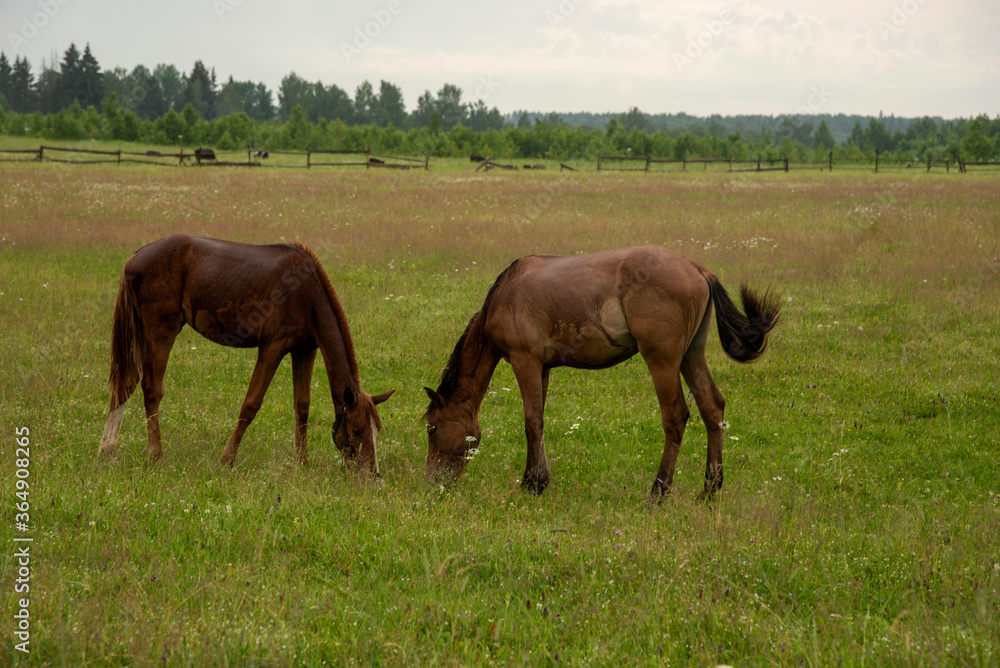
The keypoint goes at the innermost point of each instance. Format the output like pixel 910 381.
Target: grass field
pixel 860 519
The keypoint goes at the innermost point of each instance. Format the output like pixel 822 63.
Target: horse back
pixel 232 293
pixel 592 310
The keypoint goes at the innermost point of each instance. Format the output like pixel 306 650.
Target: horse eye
pixel 357 432
pixel 431 429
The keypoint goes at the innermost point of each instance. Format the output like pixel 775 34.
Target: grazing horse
pixel 591 312
pixel 275 298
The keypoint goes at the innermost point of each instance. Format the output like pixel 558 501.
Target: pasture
pixel 859 520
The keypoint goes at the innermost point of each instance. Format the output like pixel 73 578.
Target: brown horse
pixel 275 298
pixel 591 312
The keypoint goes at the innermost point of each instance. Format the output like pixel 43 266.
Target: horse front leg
pixel 532 380
pixel 302 368
pixel 263 373
pixel 712 407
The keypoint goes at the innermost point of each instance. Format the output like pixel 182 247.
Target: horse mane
pixel 450 377
pixel 338 310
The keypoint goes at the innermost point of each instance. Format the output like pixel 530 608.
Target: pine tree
pixel 91 82
pixel 71 85
pixel 48 89
pixel 200 92
pixel 6 76
pixel 22 97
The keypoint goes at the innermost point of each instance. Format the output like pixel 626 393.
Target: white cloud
pixel 755 56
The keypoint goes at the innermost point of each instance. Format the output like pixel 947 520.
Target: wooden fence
pixel 213 158
pixel 329 158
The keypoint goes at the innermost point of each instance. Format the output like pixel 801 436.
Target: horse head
pixel 355 430
pixel 453 437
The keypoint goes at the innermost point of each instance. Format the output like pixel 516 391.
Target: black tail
pixel 128 345
pixel 743 337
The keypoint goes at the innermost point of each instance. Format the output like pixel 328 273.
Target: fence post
pixel 647 163
pixel 730 162
pixel 308 157
pixel 180 157
pixel 876 160
pixel 40 151
pixel 427 160
pixel 368 157
pixel 598 163
pixel 786 163
pixel 758 163
pixel 831 161
pixel 947 166
pixel 928 162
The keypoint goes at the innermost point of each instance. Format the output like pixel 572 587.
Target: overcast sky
pixel 902 57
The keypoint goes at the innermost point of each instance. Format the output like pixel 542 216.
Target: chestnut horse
pixel 591 312
pixel 275 298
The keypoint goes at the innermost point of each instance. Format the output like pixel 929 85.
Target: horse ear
pixel 379 398
pixel 349 398
pixel 435 398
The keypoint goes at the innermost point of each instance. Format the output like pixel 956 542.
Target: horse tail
pixel 128 344
pixel 743 334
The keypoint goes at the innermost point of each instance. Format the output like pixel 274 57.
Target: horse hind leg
pixel 154 367
pixel 674 414
pixel 109 441
pixel 711 406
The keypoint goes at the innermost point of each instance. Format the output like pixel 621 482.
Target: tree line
pixel 75 100
pixel 150 94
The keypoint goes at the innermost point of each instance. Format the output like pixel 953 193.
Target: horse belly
pixel 599 343
pixel 223 327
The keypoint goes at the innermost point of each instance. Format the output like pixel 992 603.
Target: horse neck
pixel 477 363
pixel 334 342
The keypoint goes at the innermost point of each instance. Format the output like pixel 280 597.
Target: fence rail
pixel 212 158
pixel 318 158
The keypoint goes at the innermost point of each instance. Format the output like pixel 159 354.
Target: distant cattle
pixel 375 161
pixel 204 154
pixel 476 158
pixel 260 154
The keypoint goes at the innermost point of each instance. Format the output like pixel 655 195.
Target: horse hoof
pixel 707 494
pixel 659 492
pixel 536 487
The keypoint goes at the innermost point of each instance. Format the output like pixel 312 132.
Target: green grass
pixel 858 524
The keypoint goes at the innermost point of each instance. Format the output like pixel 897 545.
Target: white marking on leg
pixel 375 444
pixel 110 438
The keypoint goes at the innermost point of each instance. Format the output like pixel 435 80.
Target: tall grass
pixel 859 521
